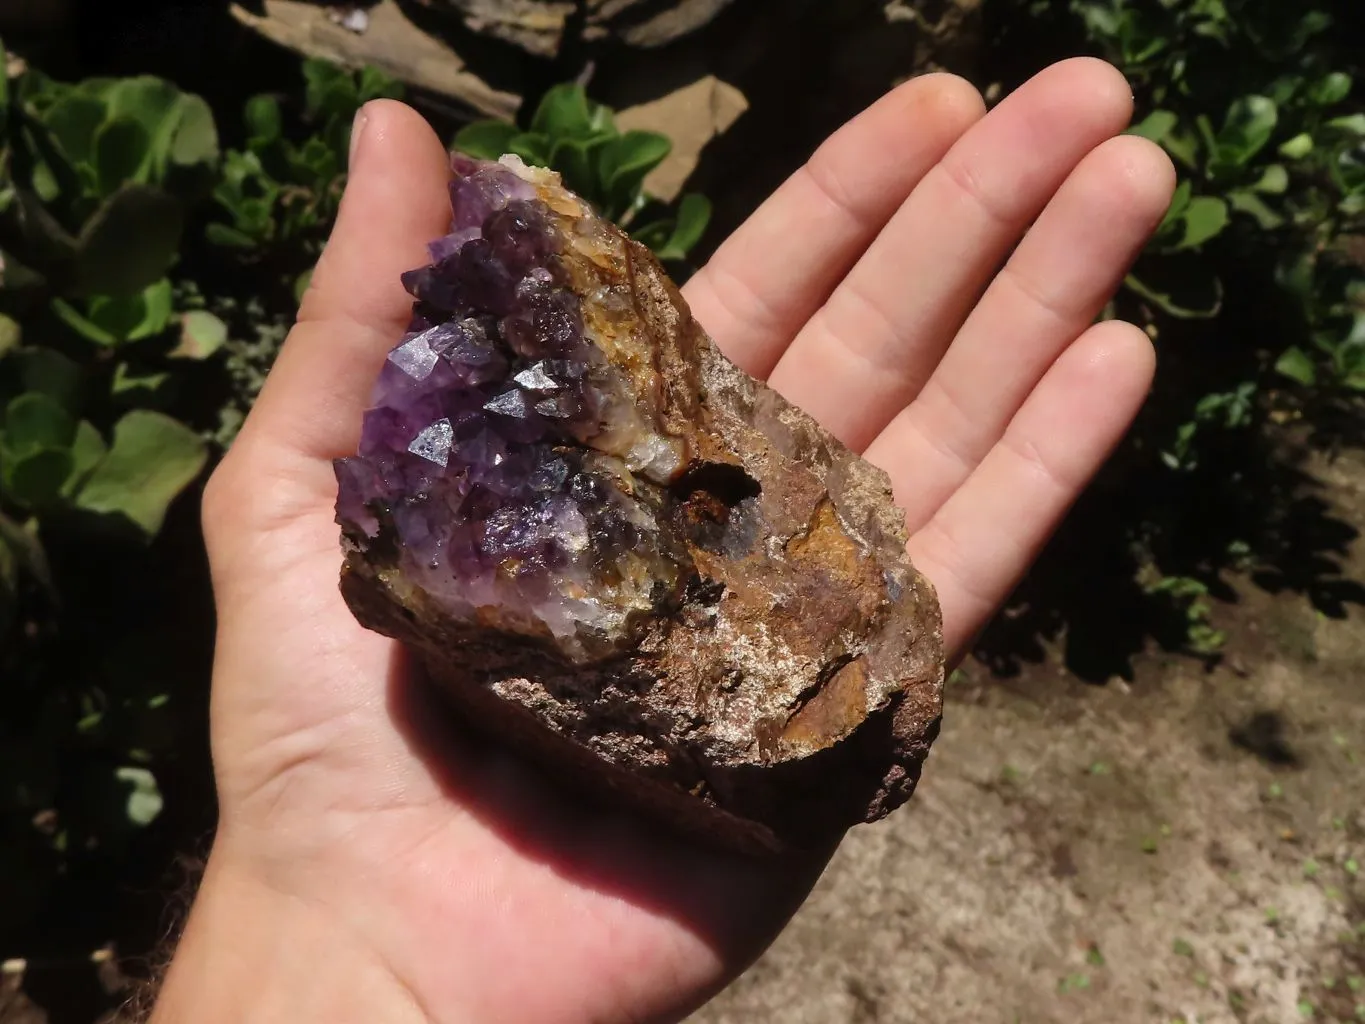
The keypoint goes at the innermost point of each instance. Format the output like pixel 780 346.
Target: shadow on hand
pixel 735 904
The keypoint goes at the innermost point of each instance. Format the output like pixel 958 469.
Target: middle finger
pixel 867 352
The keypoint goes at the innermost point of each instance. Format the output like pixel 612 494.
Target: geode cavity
pixel 618 552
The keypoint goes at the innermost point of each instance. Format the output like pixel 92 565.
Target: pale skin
pixel 926 286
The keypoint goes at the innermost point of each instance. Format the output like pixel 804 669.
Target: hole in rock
pixel 717 509
pixel 729 484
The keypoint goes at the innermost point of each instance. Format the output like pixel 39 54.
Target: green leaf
pixel 230 237
pixel 1156 126
pixel 315 160
pixel 151 460
pixel 146 99
pixel 375 84
pixel 48 372
pixel 49 189
pixel 264 123
pixel 1183 145
pixel 42 242
pixel 1204 219
pixel 73 121
pixel 158 106
pixel 11 334
pixel 144 800
pixel 35 480
pixel 563 113
pixel 1180 202
pixel 302 282
pixel 255 219
pixel 1248 202
pixel 81 324
pixel 87 450
pixel 1330 89
pixel 655 235
pixel 1297 148
pixel 329 89
pixel 534 149
pixel 96 88
pixel 573 160
pixel 486 140
pixel 1274 180
pixel 34 458
pixel 1249 124
pixel 1298 366
pixel 123 153
pixel 195 136
pixel 129 243
pixel 201 335
pixel 156 310
pixel 626 160
pixel 34 421
pixel 1354 124
pixel 27 550
pixel 111 319
pixel 133 388
pixel 600 119
pixel 694 213
pixel 153 311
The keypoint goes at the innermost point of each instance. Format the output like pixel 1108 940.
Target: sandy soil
pixel 1186 848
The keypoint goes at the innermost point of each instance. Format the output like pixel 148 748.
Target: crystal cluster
pixel 617 552
pixel 517 465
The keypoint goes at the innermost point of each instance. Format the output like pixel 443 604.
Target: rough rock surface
pixel 614 548
pixel 390 42
pixel 540 26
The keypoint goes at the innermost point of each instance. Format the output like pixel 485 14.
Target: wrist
pixel 251 953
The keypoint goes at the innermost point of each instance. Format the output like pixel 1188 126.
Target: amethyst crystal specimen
pixel 610 545
pixel 477 445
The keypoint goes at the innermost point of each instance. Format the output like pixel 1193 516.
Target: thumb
pixel 310 408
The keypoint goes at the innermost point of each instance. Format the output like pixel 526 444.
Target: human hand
pixel 372 861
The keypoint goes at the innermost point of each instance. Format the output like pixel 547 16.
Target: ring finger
pixel 1054 285
pixel 867 352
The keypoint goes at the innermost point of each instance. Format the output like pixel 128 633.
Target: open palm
pixel 926 286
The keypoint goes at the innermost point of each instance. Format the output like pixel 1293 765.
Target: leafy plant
pixel 95 176
pixel 1188 598
pixel 125 355
pixel 1248 102
pixel 146 282
pixel 578 137
pixel 1252 289
pixel 283 192
pixel 98 180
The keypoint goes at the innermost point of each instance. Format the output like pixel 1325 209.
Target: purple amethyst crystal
pixel 511 458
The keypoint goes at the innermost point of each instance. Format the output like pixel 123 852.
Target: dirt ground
pixel 1185 847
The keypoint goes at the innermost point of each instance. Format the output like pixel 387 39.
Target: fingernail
pixel 357 135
